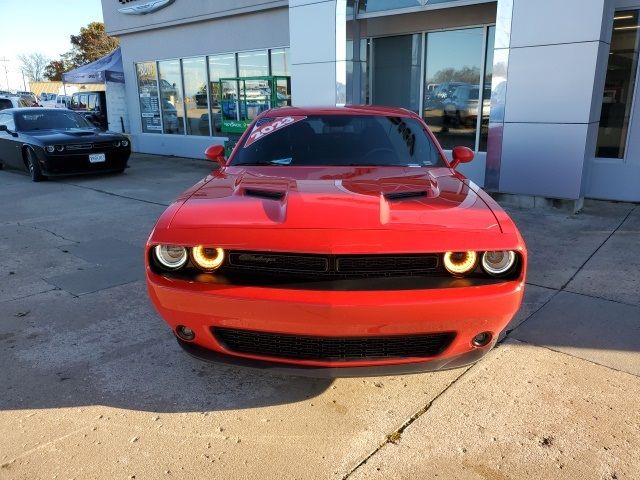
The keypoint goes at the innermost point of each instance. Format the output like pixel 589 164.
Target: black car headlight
pixel 116 143
pixel 50 148
pixel 124 143
pixel 60 148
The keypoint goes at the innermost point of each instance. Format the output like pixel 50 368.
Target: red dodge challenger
pixel 337 242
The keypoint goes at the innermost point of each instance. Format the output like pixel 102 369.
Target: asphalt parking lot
pixel 95 386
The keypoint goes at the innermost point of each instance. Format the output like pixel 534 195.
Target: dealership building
pixel 544 91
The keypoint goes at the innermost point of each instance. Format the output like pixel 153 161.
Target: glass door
pixel 614 173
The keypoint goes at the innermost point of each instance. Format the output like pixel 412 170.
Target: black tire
pixel 33 166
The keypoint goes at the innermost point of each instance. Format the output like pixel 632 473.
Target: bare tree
pixel 33 66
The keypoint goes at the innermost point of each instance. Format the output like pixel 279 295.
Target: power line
pixel 4 61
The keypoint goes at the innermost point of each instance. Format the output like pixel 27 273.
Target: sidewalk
pixel 95 386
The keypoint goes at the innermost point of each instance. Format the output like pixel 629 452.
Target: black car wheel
pixel 34 167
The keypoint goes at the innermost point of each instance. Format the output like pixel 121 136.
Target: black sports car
pixel 49 142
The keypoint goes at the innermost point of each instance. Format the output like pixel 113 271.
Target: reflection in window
pixel 396 78
pixel 149 103
pixel 171 97
pixel 619 85
pixel 368 6
pixel 452 82
pixel 221 66
pixel 253 64
pixel 194 71
pixel 280 62
pixel 486 100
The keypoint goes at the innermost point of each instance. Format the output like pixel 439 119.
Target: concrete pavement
pixel 95 386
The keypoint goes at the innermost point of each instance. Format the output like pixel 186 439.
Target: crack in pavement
pixel 36 227
pixel 396 435
pixel 105 192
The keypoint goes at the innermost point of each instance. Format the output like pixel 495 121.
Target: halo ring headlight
pixel 460 263
pixel 60 148
pixel 207 258
pixel 171 257
pixel 498 262
pixel 50 148
pixel 124 143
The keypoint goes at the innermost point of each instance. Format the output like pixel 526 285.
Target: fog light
pixel 185 333
pixel 481 339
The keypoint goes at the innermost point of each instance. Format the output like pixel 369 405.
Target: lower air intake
pixel 304 347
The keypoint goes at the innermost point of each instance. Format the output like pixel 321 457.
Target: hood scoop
pixel 391 196
pixel 81 133
pixel 260 193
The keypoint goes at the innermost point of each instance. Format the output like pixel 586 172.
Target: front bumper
pixel 467 311
pixel 78 163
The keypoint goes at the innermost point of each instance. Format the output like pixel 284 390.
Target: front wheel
pixel 34 167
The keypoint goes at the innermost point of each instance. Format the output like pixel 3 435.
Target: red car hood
pixel 356 198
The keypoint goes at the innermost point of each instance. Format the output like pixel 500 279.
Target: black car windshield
pixel 341 140
pixel 50 120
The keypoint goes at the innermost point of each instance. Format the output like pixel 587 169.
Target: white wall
pixel 117 107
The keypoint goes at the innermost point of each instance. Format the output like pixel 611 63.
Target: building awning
pixel 105 69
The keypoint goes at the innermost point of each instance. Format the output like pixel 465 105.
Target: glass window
pixel 149 103
pixel 253 64
pixel 368 6
pixel 280 62
pixel 452 80
pixel 171 97
pixel 194 71
pixel 339 140
pixel 396 77
pixel 222 66
pixel 619 85
pixel 486 99
pixel 91 102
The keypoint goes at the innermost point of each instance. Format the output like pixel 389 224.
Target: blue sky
pixel 41 26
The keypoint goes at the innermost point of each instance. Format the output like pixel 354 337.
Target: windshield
pixel 50 120
pixel 341 140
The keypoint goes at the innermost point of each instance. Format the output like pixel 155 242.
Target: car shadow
pixel 111 348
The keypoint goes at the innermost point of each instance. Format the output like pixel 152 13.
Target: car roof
pixel 30 109
pixel 371 110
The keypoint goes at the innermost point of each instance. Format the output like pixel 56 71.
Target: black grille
pixel 330 266
pixel 333 348
pixel 279 262
pixel 380 263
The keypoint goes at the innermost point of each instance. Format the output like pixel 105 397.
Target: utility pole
pixel 4 61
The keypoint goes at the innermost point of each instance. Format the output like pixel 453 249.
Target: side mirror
pixel 3 128
pixel 215 153
pixel 461 155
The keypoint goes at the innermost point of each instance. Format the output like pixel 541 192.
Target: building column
pixel 317 32
pixel 556 56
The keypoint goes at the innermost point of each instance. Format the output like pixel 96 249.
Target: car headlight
pixel 460 263
pixel 60 148
pixel 207 258
pixel 50 148
pixel 171 257
pixel 116 143
pixel 124 143
pixel 499 262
